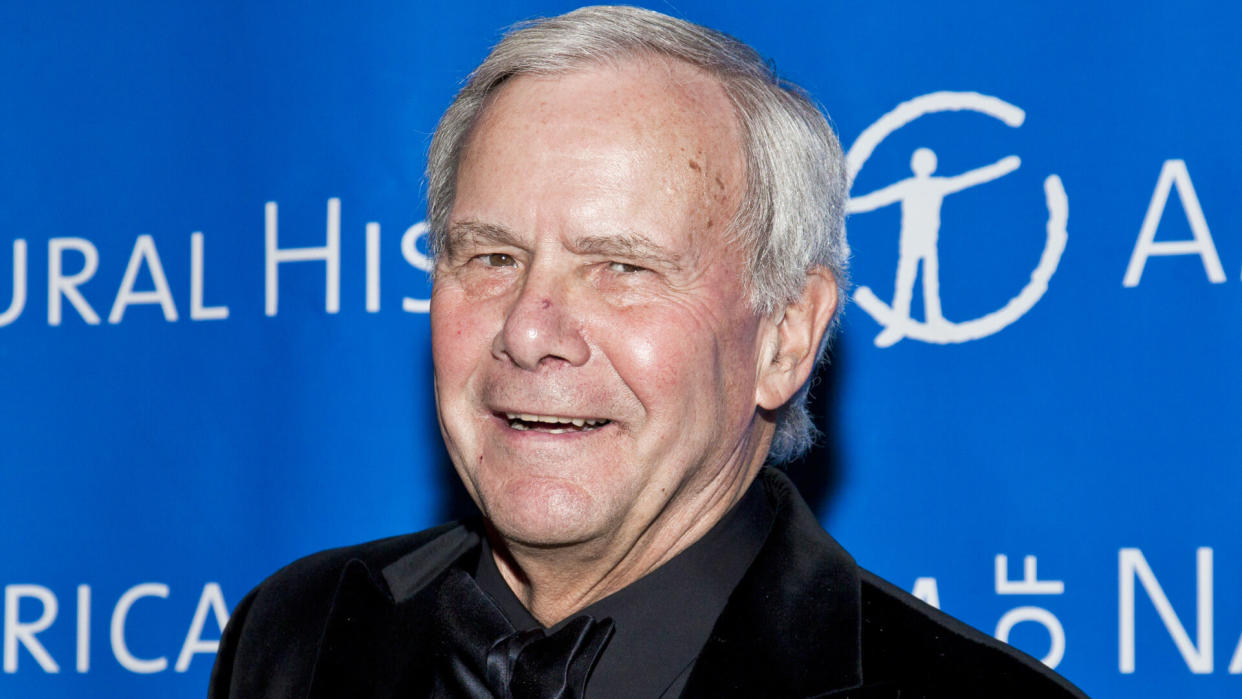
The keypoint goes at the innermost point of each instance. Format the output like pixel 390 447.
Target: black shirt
pixel 663 619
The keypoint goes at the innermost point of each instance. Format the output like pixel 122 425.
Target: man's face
pixel 595 355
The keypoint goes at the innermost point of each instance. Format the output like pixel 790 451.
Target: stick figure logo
pixel 921 197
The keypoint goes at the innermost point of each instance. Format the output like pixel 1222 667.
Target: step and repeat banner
pixel 213 332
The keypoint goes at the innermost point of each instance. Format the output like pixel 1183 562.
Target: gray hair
pixel 792 215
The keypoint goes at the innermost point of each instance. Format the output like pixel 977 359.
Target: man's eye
pixel 623 268
pixel 497 259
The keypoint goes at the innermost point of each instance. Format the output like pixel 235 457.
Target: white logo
pixel 921 197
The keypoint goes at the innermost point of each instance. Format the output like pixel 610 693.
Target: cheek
pixel 459 333
pixel 662 356
pixel 692 360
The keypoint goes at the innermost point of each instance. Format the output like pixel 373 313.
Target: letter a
pixel 212 599
pixel 1174 172
pixel 927 590
pixel 144 251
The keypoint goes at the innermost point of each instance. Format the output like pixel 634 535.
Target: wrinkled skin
pixel 586 276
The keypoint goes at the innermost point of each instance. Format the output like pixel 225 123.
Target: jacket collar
pixel 375 642
pixel 791 627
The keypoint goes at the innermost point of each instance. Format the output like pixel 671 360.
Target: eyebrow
pixel 630 246
pixel 474 232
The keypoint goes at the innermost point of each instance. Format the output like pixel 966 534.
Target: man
pixel 639 248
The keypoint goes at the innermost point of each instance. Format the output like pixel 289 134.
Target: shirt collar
pixel 664 619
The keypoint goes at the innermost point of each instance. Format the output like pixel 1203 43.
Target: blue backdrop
pixel 186 404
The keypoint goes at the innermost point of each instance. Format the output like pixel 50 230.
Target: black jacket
pixel 804 621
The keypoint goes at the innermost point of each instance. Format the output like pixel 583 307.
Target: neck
pixel 554 583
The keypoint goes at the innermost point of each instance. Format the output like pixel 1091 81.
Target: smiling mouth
pixel 552 424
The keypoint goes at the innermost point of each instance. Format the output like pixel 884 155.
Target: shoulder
pixel 318 573
pixel 273 634
pixel 913 644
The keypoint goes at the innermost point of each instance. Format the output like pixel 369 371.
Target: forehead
pixel 650 122
pixel 653 95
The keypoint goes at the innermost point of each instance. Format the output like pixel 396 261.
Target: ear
pixel 794 340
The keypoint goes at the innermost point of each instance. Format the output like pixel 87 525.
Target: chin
pixel 543 512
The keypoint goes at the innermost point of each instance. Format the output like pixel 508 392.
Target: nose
pixel 541 327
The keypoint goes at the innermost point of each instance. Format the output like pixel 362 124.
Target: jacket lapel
pixel 792 627
pixel 375 643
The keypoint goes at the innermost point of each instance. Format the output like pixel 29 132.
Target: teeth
pixel 551 420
